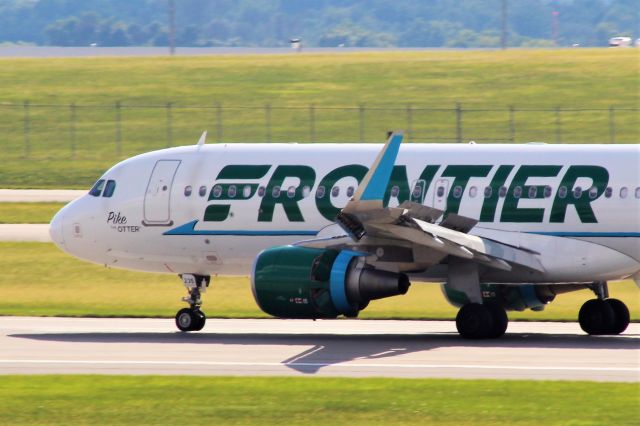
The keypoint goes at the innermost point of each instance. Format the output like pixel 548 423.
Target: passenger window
pixel 335 191
pixel 624 192
pixel 291 192
pixel 246 191
pixel 488 191
pixel 350 191
pixel 395 190
pixel 577 192
pixel 217 191
pixel 457 191
pixel 593 192
pixel 109 188
pixel 547 191
pixel 473 191
pixel 533 192
pixel 202 191
pixel 231 192
pixel 440 191
pixel 517 192
pixel 261 191
pixel 275 192
pixel 306 190
pixel 320 192
pixel 187 191
pixel 503 192
pixel 638 192
pixel 562 192
pixel 417 192
pixel 608 192
pixel 97 188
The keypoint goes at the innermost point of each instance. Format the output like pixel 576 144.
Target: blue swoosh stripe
pixel 189 229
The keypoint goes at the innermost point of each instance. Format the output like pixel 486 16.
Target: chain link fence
pixel 34 130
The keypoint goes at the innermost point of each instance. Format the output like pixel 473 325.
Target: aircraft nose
pixel 56 230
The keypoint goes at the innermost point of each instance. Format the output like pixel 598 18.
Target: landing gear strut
pixel 481 321
pixel 603 315
pixel 192 318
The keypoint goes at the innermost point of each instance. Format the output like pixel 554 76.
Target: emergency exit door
pixel 157 199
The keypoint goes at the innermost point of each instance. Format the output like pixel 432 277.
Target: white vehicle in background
pixel 620 42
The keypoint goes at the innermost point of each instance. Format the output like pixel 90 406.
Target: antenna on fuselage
pixel 202 140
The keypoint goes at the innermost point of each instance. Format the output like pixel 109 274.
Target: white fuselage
pixel 212 209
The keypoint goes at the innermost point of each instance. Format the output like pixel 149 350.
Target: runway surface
pixel 355 348
pixel 25 232
pixel 39 195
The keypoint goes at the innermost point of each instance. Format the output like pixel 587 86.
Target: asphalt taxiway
pixel 354 348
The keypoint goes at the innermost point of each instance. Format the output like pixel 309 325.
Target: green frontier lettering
pixel 306 176
pixel 461 175
pixel 600 179
pixel 510 210
pixel 324 204
pixel 233 191
pixel 490 203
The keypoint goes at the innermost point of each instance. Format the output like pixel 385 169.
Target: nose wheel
pixel 192 318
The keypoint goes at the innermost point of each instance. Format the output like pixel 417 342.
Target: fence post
pixel 169 125
pixel 72 129
pixel 267 121
pixel 361 120
pixel 27 129
pixel 558 126
pixel 458 122
pixel 512 123
pixel 218 122
pixel 118 129
pixel 410 122
pixel 612 124
pixel 312 122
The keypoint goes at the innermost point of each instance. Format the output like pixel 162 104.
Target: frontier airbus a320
pixel 325 229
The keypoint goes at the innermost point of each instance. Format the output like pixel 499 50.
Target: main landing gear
pixel 481 321
pixel 603 315
pixel 192 318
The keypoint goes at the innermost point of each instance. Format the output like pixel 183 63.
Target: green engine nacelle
pixel 300 282
pixel 510 297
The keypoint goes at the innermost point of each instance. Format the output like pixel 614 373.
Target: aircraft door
pixel 440 194
pixel 157 199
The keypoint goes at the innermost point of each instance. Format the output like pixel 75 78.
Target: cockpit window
pixel 109 188
pixel 97 188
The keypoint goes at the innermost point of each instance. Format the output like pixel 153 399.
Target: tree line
pixel 323 23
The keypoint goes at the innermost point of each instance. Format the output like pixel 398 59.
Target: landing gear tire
pixel 188 319
pixel 500 321
pixel 474 321
pixel 621 316
pixel 597 317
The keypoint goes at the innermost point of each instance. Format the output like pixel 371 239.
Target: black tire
pixel 596 317
pixel 621 314
pixel 201 319
pixel 185 319
pixel 500 320
pixel 474 321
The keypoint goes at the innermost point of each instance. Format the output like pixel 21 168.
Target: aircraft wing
pixel 409 235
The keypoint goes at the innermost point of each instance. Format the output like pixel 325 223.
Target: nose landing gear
pixel 192 318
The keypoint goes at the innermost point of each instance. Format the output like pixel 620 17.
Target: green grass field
pixel 28 212
pixel 71 152
pixel 149 400
pixel 38 279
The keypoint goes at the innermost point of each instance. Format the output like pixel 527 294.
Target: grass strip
pixel 38 279
pixel 28 212
pixel 149 400
pixel 70 147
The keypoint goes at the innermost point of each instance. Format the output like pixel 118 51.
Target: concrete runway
pixel 40 195
pixel 354 348
pixel 25 232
